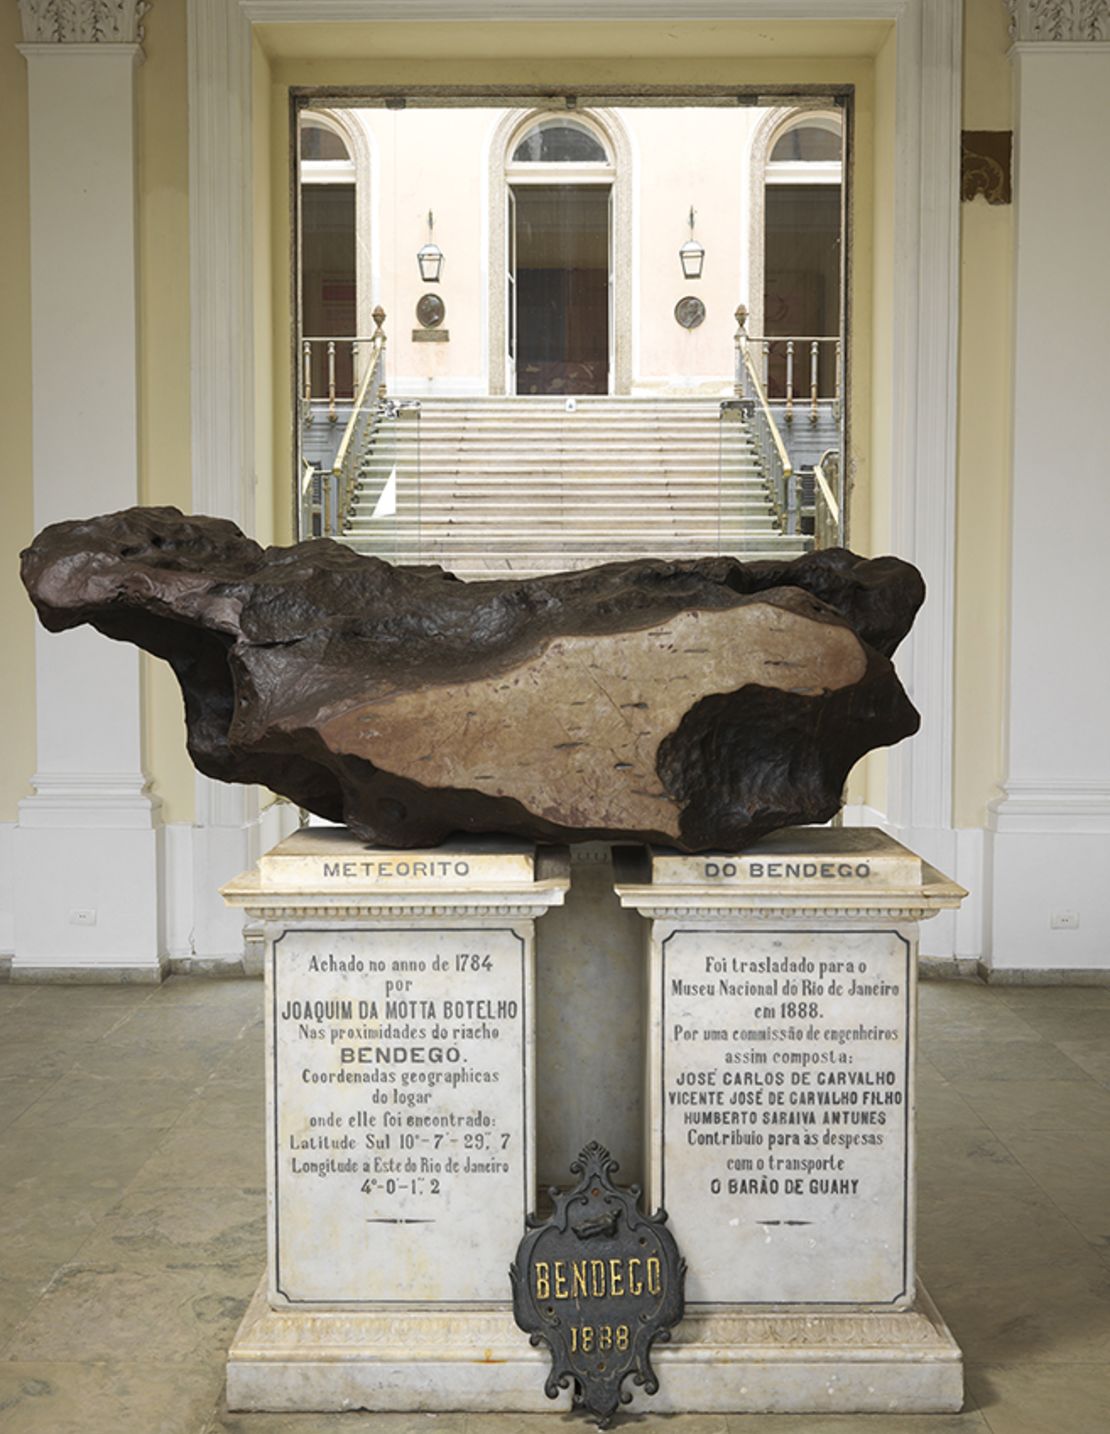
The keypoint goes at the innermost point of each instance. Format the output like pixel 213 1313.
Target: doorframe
pixel 623 187
pixel 921 459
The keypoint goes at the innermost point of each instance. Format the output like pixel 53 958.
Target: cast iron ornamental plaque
pixel 598 1283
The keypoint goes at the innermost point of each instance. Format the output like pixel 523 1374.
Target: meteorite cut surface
pixel 697 704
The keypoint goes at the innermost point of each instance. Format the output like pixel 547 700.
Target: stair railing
pixel 801 356
pixel 774 461
pixel 340 483
pixel 826 501
pixel 330 372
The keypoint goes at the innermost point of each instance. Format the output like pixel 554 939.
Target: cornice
pixel 1059 21
pixel 83 22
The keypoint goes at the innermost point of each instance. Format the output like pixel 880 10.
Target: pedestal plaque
pixel 400 1136
pixel 781 998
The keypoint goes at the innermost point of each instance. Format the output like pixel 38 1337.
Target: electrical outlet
pixel 1064 921
pixel 83 916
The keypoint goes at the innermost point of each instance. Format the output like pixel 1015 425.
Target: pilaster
pixel 88 848
pixel 1051 905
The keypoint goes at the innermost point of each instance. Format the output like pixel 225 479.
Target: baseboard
pixel 88 973
pixel 220 968
pixel 1044 975
pixel 949 968
pixel 7 913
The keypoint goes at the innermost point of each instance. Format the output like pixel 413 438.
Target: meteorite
pixel 697 704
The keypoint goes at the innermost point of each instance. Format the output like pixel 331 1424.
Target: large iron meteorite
pixel 697 704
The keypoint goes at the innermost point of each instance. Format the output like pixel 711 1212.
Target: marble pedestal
pixel 399 1123
pixel 781 1000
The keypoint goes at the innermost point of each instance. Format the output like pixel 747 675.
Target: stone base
pixel 722 1361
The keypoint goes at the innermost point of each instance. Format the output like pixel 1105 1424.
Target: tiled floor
pixel 131 1214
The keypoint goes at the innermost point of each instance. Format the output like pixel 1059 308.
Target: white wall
pixel 1052 827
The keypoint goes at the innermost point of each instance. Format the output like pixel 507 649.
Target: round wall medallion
pixel 689 312
pixel 431 310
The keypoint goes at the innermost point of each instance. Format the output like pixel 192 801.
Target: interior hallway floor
pixel 132 1208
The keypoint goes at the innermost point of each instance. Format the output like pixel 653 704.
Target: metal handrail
pixel 332 345
pixel 775 460
pixel 339 490
pixel 790 345
pixel 826 515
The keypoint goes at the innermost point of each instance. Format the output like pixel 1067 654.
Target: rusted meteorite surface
pixel 698 704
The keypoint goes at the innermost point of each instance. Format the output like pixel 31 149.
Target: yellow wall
pixel 985 415
pixel 17 629
pixel 165 474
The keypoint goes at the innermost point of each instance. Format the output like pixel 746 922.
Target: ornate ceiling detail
pixel 1059 20
pixel 83 22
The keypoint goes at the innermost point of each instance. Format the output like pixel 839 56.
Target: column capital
pixel 1059 21
pixel 83 22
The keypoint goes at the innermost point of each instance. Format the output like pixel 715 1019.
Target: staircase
pixel 492 486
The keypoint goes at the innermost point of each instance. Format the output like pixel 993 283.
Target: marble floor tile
pixel 1017 1106
pixel 939 1103
pixel 198 1153
pixel 29 1043
pixel 1057 1022
pixel 36 1159
pixel 1037 1399
pixel 17 1297
pixel 18 1093
pixel 362 1423
pixel 232 993
pixel 984 1058
pixel 1091 1056
pixel 80 1101
pixel 184 1227
pixel 108 1398
pixel 948 1009
pixel 1045 998
pixel 242 1063
pixel 60 1000
pixel 1073 1169
pixel 1042 1310
pixel 97 1312
pixel 968 1422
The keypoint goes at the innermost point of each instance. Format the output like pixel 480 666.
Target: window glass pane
pixel 320 143
pixel 807 142
pixel 559 142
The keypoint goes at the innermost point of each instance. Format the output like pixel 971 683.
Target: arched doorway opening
pixel 797 251
pixel 560 236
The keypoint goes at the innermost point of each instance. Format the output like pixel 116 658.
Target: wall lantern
pixel 692 253
pixel 430 257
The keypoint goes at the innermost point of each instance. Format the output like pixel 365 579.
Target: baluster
pixel 766 347
pixel 836 382
pixel 813 381
pixel 331 380
pixel 789 380
pixel 306 370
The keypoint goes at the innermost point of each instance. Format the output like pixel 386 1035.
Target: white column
pixel 231 831
pixel 88 842
pixel 1051 895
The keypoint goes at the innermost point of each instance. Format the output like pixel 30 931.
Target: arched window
pixel 329 286
pixel 319 142
pixel 559 141
pixel 559 176
pixel 808 141
pixel 801 242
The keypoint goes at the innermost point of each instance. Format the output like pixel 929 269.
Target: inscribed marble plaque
pixel 400 1111
pixel 784 1083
